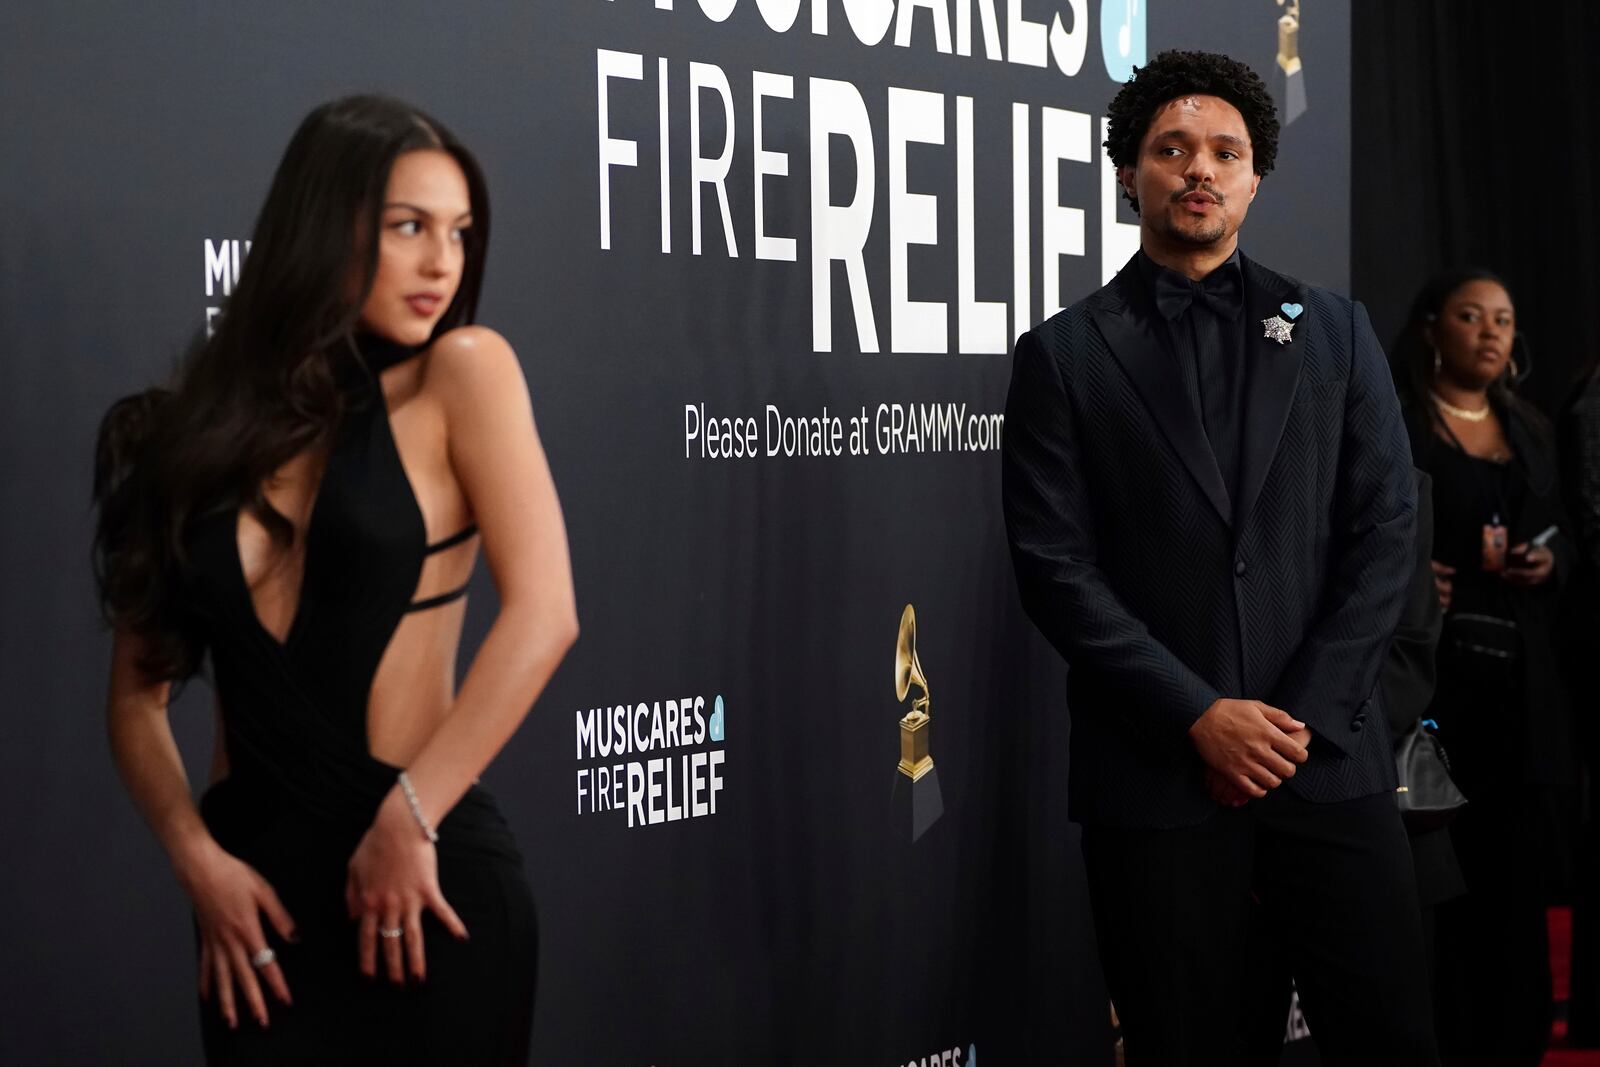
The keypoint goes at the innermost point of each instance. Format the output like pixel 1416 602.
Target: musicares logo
pixel 948 1058
pixel 685 784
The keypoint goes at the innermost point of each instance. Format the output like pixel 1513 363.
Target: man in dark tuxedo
pixel 1209 500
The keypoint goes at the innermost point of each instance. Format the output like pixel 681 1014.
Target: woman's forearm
pixel 148 760
pixel 152 769
pixel 519 654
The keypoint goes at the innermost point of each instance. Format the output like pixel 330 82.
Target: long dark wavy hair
pixel 1412 354
pixel 265 385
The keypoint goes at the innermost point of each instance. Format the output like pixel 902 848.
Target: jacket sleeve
pixel 1409 669
pixel 1550 506
pixel 1582 474
pixel 1564 546
pixel 1051 530
pixel 1373 524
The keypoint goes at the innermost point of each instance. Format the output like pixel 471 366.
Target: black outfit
pixel 1407 682
pixel 303 788
pixel 1580 455
pixel 1410 673
pixel 1164 589
pixel 1504 718
pixel 1205 329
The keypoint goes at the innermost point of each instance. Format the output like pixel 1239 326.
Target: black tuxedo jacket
pixel 1161 594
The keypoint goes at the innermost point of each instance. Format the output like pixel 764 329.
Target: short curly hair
pixel 1173 74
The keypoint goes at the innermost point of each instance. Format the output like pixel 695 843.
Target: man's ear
pixel 1127 176
pixel 1255 183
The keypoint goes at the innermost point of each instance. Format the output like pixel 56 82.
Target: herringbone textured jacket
pixel 1160 593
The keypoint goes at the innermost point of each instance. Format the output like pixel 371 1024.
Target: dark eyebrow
pixel 1184 135
pixel 424 212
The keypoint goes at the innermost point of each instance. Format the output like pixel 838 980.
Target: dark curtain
pixel 1476 143
pixel 1476 129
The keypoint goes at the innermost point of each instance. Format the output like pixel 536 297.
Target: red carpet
pixel 1561 975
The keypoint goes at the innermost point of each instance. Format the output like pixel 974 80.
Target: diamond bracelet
pixel 416 808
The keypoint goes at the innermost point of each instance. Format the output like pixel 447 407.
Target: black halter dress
pixel 303 787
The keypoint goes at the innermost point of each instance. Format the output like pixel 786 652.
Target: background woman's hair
pixel 1412 354
pixel 264 386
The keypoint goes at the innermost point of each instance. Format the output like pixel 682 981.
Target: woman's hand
pixel 229 897
pixel 1529 565
pixel 394 875
pixel 1443 580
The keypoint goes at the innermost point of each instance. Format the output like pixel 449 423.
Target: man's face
pixel 1195 176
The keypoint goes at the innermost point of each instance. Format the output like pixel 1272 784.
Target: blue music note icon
pixel 1122 39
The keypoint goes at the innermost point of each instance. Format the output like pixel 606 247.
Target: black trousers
pixel 1189 922
pixel 1493 945
pixel 1494 948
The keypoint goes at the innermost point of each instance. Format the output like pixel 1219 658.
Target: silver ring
pixel 398 931
pixel 263 958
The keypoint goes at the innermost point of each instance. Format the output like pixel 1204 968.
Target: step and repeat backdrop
pixel 797 795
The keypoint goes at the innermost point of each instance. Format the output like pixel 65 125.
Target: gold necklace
pixel 1465 414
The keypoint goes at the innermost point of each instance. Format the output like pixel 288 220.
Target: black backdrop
pixel 1486 151
pixel 1480 145
pixel 800 922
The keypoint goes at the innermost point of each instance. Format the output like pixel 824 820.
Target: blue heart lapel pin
pixel 1291 311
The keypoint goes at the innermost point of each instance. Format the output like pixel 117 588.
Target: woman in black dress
pixel 304 507
pixel 1501 553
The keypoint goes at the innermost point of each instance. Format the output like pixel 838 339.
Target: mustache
pixel 1210 190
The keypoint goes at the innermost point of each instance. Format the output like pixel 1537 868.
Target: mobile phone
pixel 1520 558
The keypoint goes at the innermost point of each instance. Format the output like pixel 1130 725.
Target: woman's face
pixel 421 249
pixel 1473 334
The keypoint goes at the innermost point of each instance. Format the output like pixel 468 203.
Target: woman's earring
pixel 1438 363
pixel 1520 371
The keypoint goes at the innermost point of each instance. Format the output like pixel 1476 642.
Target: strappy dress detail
pixel 454 594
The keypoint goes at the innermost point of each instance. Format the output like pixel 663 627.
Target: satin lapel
pixel 1137 345
pixel 1274 370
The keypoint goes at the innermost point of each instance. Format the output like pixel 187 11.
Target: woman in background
pixel 1501 553
pixel 305 505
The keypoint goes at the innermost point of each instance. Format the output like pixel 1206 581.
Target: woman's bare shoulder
pixel 473 370
pixel 471 352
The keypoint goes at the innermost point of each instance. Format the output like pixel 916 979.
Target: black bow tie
pixel 1222 291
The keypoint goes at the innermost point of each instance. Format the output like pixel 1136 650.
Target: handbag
pixel 1488 639
pixel 1429 799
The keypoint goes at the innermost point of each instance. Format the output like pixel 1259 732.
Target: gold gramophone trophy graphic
pixel 1292 94
pixel 916 800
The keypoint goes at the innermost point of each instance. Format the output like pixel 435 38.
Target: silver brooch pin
pixel 1280 329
